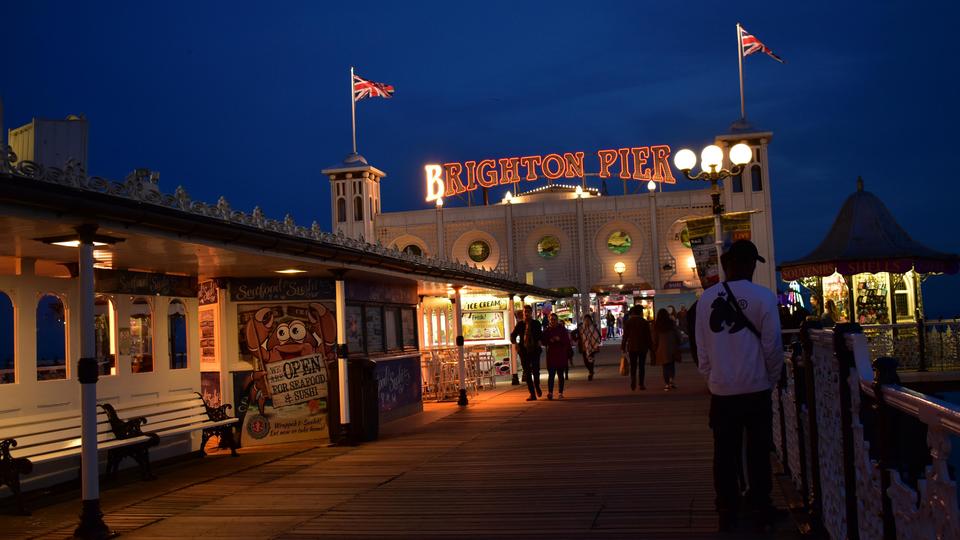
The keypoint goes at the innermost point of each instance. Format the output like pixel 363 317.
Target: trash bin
pixel 364 400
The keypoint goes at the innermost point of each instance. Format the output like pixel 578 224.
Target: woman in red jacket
pixel 557 341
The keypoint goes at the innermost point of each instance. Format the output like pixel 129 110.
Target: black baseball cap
pixel 744 250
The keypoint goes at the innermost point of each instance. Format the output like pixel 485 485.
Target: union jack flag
pixel 750 44
pixel 363 89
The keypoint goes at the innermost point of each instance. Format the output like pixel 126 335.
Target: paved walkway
pixel 604 462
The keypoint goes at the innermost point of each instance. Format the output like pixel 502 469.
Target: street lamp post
pixel 711 170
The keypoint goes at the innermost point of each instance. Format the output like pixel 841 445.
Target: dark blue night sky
pixel 250 100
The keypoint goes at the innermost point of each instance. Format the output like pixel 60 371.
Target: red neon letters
pixel 643 163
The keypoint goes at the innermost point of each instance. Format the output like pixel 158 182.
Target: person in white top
pixel 740 352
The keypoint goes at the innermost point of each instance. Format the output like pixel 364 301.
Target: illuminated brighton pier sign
pixel 643 163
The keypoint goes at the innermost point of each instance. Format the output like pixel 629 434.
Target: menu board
pixel 480 326
pixel 374 328
pixel 354 324
pixel 398 384
pixel 208 341
pixel 391 323
pixel 409 328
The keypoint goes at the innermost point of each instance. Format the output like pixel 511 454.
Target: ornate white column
pixel 91 518
pixel 655 243
pixel 461 361
pixel 441 249
pixel 343 381
pixel 515 380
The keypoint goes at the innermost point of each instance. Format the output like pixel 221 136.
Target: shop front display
pixel 486 330
pixel 835 291
pixel 871 298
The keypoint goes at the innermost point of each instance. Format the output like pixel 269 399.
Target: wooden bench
pixel 29 441
pixel 184 414
pixel 32 440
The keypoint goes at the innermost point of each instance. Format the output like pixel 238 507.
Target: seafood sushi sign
pixel 298 380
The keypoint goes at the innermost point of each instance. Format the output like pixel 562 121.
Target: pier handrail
pixel 868 454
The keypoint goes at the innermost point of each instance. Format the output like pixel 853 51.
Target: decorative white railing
pixel 142 186
pixel 869 456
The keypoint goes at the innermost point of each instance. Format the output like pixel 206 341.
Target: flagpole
pixel 353 110
pixel 743 106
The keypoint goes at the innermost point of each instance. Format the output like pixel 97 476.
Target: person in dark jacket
pixel 515 337
pixel 691 329
pixel 527 335
pixel 557 341
pixel 636 343
pixel 665 349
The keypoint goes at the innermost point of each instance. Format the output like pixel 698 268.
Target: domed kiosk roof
pixel 865 237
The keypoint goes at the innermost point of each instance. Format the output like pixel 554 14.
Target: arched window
pixel 413 249
pixel 141 337
pixel 341 210
pixel 104 335
pixel 357 208
pixel 755 176
pixel 177 330
pixel 51 339
pixel 738 183
pixel 8 373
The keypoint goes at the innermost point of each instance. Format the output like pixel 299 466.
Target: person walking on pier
pixel 589 344
pixel 665 351
pixel 739 347
pixel 516 337
pixel 557 341
pixel 527 335
pixel 636 343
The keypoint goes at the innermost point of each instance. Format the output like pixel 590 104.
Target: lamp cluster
pixel 711 162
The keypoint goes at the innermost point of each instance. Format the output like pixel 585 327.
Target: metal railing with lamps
pixel 711 170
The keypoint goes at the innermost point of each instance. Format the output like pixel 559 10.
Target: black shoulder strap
pixel 736 305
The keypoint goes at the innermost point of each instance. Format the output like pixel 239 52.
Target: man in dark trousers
pixel 635 343
pixel 518 331
pixel 526 335
pixel 740 353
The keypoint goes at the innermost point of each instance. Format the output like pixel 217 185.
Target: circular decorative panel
pixel 478 251
pixel 619 242
pixel 548 247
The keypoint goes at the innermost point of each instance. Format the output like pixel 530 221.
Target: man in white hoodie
pixel 741 356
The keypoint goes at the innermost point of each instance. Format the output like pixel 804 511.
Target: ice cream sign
pixel 642 163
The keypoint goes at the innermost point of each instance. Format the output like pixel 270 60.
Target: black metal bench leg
pixel 11 478
pixel 203 442
pixel 113 464
pixel 226 435
pixel 142 457
pixel 14 484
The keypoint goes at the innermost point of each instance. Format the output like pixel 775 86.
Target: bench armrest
pixel 5 446
pixel 123 429
pixel 216 414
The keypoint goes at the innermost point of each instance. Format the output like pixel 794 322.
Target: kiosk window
pixel 177 330
pixel 104 335
pixel 51 339
pixel 8 368
pixel 141 337
pixel 391 324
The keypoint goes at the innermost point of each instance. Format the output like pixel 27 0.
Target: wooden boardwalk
pixel 602 463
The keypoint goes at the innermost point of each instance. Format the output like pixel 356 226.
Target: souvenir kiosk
pixel 870 271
